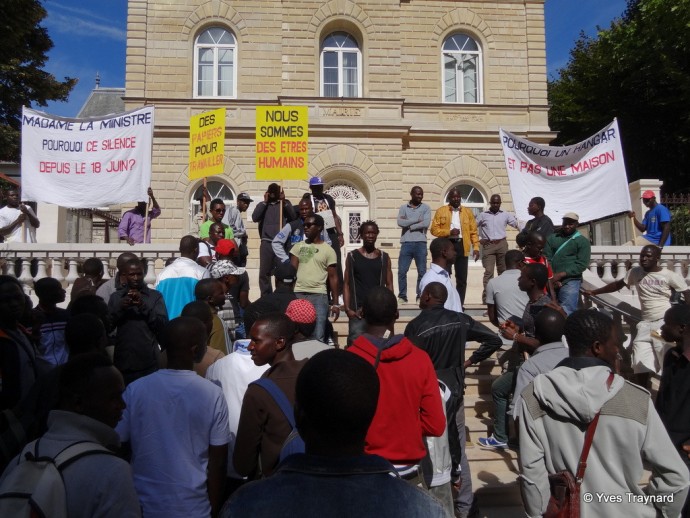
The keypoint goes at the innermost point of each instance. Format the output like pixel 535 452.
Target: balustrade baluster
pixel 25 275
pixel 41 270
pixel 106 269
pixel 72 273
pixel 607 277
pixel 594 267
pixel 56 270
pixel 150 277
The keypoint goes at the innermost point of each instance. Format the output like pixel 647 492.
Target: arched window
pixel 471 197
pixel 462 70
pixel 341 66
pixel 215 70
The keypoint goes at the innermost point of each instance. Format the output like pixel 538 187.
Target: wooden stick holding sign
pixel 146 217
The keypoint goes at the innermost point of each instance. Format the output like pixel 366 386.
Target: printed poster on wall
pixel 282 135
pixel 587 178
pixel 85 163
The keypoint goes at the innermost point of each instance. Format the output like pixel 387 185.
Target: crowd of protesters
pixel 219 406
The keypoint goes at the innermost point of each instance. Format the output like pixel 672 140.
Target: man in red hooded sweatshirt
pixel 409 406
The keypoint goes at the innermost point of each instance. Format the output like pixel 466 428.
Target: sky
pixel 90 38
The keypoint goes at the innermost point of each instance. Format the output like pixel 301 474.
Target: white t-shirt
pixel 24 233
pixel 654 290
pixel 172 417
pixel 233 374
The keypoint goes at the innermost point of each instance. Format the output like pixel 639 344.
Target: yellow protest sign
pixel 206 143
pixel 282 135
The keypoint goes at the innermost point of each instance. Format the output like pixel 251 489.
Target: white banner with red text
pixel 85 163
pixel 587 178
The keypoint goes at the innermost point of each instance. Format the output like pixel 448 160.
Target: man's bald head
pixel 189 247
pixel 433 294
pixel 123 259
pixel 184 339
pixel 549 325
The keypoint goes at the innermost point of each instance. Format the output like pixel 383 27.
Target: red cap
pixel 648 194
pixel 225 246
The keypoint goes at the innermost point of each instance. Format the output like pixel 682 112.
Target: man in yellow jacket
pixel 457 224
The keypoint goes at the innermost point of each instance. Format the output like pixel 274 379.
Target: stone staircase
pixel 494 473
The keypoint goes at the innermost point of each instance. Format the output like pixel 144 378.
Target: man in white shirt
pixel 233 373
pixel 653 283
pixel 443 254
pixel 18 222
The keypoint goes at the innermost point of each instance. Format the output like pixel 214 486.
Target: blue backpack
pixel 293 443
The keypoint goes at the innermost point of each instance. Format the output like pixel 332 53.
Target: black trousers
pixel 461 262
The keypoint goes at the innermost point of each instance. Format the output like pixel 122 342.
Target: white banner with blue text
pixel 86 163
pixel 587 178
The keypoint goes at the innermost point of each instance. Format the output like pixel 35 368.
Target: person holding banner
pixel 131 228
pixel 656 224
pixel 271 215
pixel 18 222
pixel 540 223
pixel 457 223
pixel 569 253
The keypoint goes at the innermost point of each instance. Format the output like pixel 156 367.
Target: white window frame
pixel 461 54
pixel 216 48
pixel 340 51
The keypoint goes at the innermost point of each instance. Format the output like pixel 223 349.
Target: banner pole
pixel 146 219
pixel 203 201
pixel 632 227
pixel 280 213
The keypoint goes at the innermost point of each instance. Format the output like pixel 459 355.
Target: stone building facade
pixel 399 93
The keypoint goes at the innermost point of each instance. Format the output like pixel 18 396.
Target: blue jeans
pixel 569 295
pixel 356 328
pixel 411 250
pixel 320 302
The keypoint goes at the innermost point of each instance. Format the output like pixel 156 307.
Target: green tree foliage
pixel 23 48
pixel 637 70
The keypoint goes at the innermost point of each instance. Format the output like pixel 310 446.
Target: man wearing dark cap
pixel 323 204
pixel 569 253
pixel 268 215
pixel 656 224
pixel 233 218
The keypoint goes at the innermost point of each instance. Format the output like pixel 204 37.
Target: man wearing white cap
pixel 656 223
pixel 569 253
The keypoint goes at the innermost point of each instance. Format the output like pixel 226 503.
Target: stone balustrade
pixel 61 260
pixel 610 263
